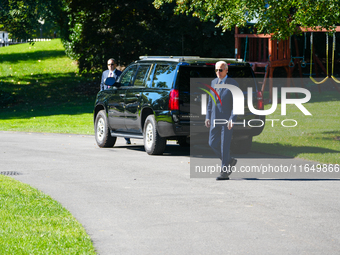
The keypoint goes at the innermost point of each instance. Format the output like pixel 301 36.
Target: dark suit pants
pixel 219 141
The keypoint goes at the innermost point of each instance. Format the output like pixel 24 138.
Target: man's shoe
pixel 222 178
pixel 233 162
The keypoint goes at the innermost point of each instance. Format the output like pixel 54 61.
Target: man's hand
pixel 230 125
pixel 207 123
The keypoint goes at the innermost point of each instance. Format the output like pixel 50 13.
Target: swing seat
pixel 318 82
pixel 334 79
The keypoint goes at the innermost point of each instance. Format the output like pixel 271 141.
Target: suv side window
pixel 127 77
pixel 143 75
pixel 163 76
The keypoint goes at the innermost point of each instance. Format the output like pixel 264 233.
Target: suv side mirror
pixel 109 81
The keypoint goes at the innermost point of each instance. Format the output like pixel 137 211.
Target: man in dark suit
pixel 220 134
pixel 111 72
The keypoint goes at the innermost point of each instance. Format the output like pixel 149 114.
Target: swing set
pixel 268 53
pixel 311 59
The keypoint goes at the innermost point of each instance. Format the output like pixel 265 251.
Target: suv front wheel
pixel 154 144
pixel 102 131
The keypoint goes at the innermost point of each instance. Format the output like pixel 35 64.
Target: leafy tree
pixel 279 17
pixel 127 29
pixel 21 17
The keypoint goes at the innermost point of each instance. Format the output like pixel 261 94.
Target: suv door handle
pixel 122 95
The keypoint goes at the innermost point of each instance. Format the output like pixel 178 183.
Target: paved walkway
pixel 132 203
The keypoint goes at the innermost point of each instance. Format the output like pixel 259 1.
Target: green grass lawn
pixel 42 90
pixel 315 137
pixel 66 119
pixel 33 223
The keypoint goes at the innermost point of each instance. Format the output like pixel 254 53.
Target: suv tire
pixel 154 144
pixel 102 131
pixel 242 145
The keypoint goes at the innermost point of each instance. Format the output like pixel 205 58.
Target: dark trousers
pixel 219 141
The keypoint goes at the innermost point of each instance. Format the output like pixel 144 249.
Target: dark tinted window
pixel 187 72
pixel 235 72
pixel 128 75
pixel 164 75
pixel 143 75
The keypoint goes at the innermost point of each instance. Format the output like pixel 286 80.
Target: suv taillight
pixel 260 104
pixel 174 100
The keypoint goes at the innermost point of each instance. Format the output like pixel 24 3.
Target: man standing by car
pixel 220 134
pixel 111 72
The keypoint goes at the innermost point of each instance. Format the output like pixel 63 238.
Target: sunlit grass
pixel 33 223
pixel 42 57
pixel 66 118
pixel 61 123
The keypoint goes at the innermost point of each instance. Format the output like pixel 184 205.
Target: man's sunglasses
pixel 219 70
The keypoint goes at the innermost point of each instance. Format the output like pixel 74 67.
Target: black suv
pixel 152 100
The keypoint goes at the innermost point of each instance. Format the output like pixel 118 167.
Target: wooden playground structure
pixel 268 53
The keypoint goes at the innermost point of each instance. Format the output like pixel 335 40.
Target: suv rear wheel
pixel 102 131
pixel 154 144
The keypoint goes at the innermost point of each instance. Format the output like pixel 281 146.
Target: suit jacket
pixel 224 111
pixel 116 74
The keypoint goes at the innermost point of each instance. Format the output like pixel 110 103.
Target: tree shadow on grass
pixel 47 94
pixel 34 55
pixel 263 150
pixel 332 136
pixel 288 150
